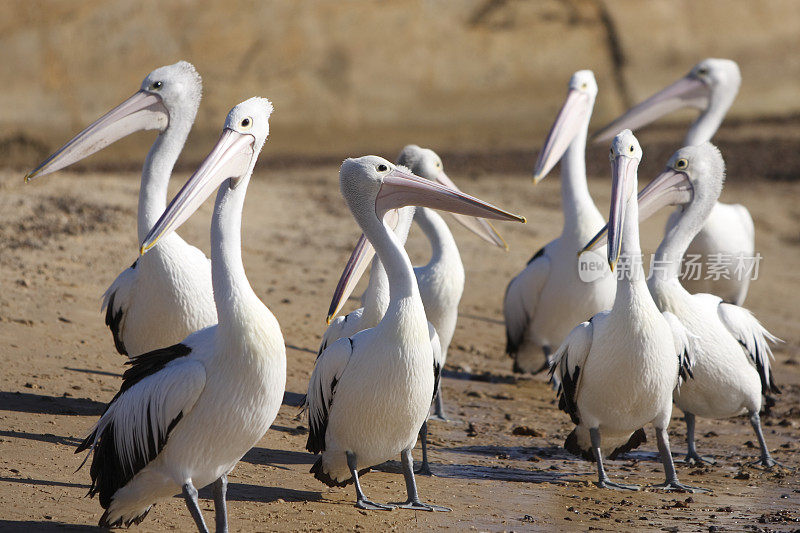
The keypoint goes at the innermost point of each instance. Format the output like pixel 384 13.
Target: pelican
pixel 545 300
pixel 732 361
pixel 728 236
pixel 370 393
pixel 186 414
pixel 440 281
pixel 165 295
pixel 618 370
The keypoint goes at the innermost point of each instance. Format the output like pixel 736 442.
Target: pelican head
pixel 426 163
pixel 231 160
pixel 625 157
pixel 371 186
pixel 167 92
pixel 711 86
pixel 572 119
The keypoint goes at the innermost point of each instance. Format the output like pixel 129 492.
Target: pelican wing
pixel 328 369
pixel 115 303
pixel 522 295
pixel 687 346
pixel 159 389
pixel 568 361
pixel 755 340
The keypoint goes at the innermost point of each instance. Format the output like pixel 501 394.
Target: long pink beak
pixel 671 187
pixel 232 157
pixel 686 92
pixel 142 111
pixel 571 118
pixel 479 226
pixel 401 188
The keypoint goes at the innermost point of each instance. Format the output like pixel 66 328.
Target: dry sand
pixel 64 238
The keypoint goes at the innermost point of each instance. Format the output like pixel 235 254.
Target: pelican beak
pixel 571 118
pixel 232 157
pixel 400 188
pixel 623 172
pixel 142 111
pixel 671 187
pixel 686 92
pixel 480 227
pixel 356 266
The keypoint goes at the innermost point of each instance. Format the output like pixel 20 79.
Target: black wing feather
pixel 109 471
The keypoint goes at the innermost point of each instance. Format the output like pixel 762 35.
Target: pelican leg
pixel 220 506
pixel 692 457
pixel 425 469
pixel 413 501
pixel 361 501
pixel 546 365
pixel 438 405
pixel 602 478
pixel 766 459
pixel 671 483
pixel 190 495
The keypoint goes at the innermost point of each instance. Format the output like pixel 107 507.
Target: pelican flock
pixel 728 234
pixel 187 413
pixel 633 348
pixel 370 393
pixel 207 359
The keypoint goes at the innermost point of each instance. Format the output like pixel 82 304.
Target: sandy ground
pixel 63 239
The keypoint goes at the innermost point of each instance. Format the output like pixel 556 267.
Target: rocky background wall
pixel 357 76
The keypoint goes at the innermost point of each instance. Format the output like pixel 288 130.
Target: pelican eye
pixel 681 164
pixel 584 86
pixel 157 85
pixel 246 122
pixel 382 168
pixel 702 71
pixel 631 149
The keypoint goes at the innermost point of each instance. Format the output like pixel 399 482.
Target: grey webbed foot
pixel 372 506
pixel 417 505
pixel 768 463
pixel 677 486
pixel 608 484
pixel 424 470
pixel 693 458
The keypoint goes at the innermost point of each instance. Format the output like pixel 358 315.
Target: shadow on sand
pixel 41 437
pixel 25 402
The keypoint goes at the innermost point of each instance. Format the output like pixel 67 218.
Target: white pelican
pixel 370 393
pixel 544 301
pixel 186 414
pixel 165 295
pixel 728 236
pixel 618 370
pixel 732 360
pixel 440 281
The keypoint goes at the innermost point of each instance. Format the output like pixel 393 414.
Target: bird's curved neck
pixel 375 299
pixel 232 291
pixel 157 170
pixel 667 260
pixel 443 245
pixel 389 249
pixel 576 202
pixel 707 124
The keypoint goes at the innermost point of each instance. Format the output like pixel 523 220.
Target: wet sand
pixel 64 238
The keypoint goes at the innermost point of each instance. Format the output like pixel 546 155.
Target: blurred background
pixel 472 78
